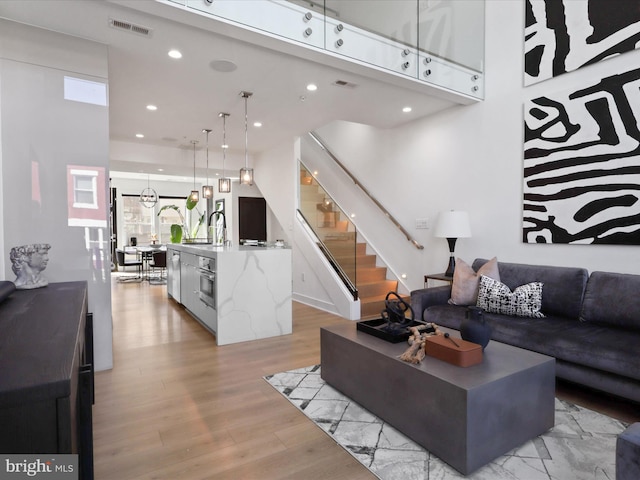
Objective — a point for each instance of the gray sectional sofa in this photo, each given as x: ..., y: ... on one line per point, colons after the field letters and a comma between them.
x: 591, y: 324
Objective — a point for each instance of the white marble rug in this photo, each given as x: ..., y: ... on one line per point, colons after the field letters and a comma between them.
x: 581, y: 446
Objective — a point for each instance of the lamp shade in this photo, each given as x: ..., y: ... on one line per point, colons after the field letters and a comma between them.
x: 224, y: 185
x: 453, y: 224
x: 246, y: 176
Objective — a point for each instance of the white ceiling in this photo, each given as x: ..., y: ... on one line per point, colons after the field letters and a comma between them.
x: 190, y: 94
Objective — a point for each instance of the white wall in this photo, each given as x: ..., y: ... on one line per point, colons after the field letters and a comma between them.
x: 151, y: 157
x: 42, y: 135
x: 275, y: 174
x: 471, y: 158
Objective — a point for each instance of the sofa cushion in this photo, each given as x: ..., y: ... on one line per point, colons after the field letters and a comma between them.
x: 563, y: 286
x: 445, y: 315
x: 589, y: 344
x: 524, y: 301
x: 613, y: 299
x: 464, y: 290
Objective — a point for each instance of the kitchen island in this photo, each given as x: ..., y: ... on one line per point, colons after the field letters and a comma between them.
x: 238, y: 293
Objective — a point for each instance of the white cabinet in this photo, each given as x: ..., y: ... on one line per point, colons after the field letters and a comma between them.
x: 209, y: 317
x: 188, y: 277
x: 173, y: 274
x: 190, y: 289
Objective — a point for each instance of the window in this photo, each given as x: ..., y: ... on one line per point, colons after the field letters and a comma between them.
x: 137, y: 221
x: 145, y: 224
x: 84, y: 189
x: 168, y: 217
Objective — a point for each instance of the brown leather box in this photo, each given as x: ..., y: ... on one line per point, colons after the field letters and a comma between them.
x: 464, y: 355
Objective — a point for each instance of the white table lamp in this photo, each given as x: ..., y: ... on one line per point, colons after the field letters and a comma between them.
x: 452, y: 225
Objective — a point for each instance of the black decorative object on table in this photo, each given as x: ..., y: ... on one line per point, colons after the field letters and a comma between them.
x: 394, y: 324
x: 474, y: 328
x: 395, y: 312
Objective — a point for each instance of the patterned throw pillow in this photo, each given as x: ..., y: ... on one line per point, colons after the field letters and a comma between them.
x: 524, y: 301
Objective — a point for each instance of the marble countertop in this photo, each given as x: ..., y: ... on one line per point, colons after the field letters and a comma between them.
x: 204, y: 248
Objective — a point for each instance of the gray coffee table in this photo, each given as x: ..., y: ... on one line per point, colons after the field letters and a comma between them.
x: 465, y: 416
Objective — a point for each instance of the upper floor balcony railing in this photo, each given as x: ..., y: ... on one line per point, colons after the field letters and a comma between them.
x: 436, y: 43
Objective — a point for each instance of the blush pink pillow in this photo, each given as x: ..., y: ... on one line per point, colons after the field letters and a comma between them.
x: 466, y: 282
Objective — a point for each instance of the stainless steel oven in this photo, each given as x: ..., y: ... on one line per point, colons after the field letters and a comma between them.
x: 207, y: 290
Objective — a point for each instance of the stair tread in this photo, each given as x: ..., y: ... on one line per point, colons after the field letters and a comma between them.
x: 375, y: 282
x: 378, y: 298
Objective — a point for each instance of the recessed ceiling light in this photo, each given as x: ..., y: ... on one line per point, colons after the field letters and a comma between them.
x: 406, y: 109
x: 139, y: 135
x: 161, y: 169
x: 257, y: 124
x: 153, y: 108
x: 175, y: 54
x: 312, y: 87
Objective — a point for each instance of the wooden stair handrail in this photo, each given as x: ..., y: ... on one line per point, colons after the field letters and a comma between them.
x: 321, y: 144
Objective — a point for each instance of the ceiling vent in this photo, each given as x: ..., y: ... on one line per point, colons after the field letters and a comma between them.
x: 344, y: 83
x: 130, y: 27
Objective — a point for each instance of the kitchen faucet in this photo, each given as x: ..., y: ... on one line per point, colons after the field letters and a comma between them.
x: 224, y: 227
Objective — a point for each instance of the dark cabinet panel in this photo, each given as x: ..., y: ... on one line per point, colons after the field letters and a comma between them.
x: 46, y: 373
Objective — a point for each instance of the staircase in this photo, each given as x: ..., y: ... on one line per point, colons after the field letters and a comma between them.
x: 371, y: 280
x: 339, y: 236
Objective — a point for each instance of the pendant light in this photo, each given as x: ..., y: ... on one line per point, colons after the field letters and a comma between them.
x: 207, y: 190
x: 195, y: 195
x: 246, y: 173
x: 224, y: 183
x: 148, y: 196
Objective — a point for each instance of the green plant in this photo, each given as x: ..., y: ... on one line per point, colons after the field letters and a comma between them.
x: 180, y: 231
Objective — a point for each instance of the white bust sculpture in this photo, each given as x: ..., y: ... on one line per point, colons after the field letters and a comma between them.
x: 28, y: 262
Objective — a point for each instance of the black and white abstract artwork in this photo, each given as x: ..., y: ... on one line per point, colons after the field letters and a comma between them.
x: 564, y: 35
x: 582, y: 164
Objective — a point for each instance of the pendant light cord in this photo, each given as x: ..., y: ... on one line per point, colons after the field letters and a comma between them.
x: 207, y: 157
x: 246, y: 134
x: 224, y: 141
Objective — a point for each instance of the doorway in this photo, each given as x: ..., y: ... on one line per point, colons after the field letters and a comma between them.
x: 252, y: 218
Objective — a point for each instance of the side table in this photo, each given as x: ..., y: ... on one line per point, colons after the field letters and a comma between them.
x: 437, y: 276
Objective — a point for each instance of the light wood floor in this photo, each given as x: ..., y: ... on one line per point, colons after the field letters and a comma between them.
x: 176, y: 406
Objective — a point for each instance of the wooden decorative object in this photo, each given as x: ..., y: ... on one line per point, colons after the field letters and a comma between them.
x: 453, y: 350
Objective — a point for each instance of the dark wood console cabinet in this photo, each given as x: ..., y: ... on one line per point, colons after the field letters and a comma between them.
x: 46, y: 373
